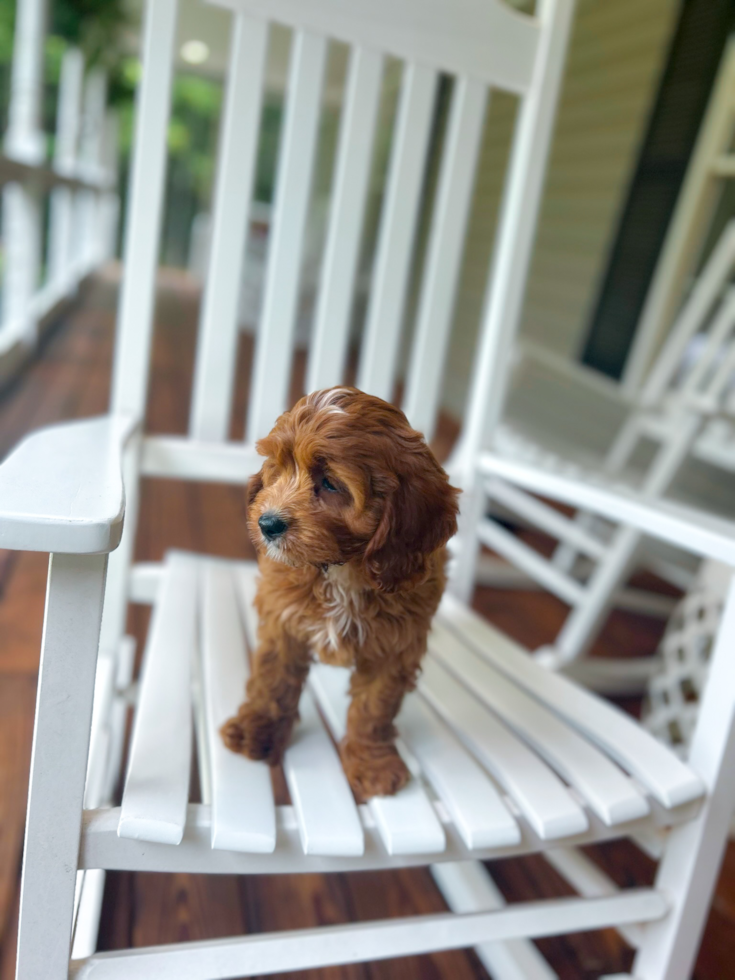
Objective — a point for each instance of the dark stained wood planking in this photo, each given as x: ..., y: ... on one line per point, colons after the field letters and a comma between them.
x: 71, y: 379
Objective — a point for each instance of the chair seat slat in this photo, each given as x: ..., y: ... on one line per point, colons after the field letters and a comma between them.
x: 329, y: 823
x: 668, y: 779
x: 216, y: 352
x: 293, y: 185
x: 444, y: 255
x: 397, y: 230
x: 243, y: 810
x: 407, y: 821
x: 476, y: 807
x: 336, y: 290
x: 610, y: 793
x: 157, y: 783
x: 539, y: 793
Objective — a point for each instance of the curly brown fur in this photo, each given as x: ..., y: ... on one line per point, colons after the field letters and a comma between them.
x: 354, y: 579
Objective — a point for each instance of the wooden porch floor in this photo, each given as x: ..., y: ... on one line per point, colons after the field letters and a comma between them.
x: 71, y: 379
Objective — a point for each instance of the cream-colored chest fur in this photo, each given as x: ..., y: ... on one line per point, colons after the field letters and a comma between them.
x: 340, y: 626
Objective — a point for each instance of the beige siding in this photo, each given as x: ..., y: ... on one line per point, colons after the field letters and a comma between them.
x: 616, y: 55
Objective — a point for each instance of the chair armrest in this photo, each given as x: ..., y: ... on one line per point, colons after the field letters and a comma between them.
x: 61, y: 489
x: 685, y: 527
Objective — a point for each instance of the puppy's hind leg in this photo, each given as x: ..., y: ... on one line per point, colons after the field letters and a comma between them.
x: 262, y: 726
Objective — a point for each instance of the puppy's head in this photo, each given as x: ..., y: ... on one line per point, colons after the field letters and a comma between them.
x: 347, y: 479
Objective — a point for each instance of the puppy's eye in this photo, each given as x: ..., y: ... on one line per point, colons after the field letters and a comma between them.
x: 326, y: 485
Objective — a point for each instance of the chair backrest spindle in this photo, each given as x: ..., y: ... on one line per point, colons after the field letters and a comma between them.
x: 217, y: 345
x: 293, y: 184
x: 381, y: 338
x: 441, y: 273
x: 135, y: 316
x: 357, y: 130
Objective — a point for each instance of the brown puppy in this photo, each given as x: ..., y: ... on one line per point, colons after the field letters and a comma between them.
x: 350, y: 514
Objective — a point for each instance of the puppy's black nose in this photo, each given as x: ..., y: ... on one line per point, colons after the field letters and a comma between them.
x: 272, y: 526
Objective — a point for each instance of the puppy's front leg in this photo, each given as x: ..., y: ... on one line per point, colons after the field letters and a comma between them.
x: 369, y: 756
x: 262, y: 726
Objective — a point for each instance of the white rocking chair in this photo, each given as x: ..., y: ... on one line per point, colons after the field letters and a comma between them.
x: 685, y: 410
x: 507, y: 758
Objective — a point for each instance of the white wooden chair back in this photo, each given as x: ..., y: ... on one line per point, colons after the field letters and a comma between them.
x: 483, y: 46
x: 697, y: 362
x: 689, y: 396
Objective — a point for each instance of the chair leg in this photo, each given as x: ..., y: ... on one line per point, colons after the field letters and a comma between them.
x: 59, y: 763
x: 688, y: 870
x: 687, y: 874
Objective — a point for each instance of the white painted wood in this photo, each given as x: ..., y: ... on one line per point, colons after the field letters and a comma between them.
x: 691, y: 862
x: 21, y: 230
x: 336, y: 289
x: 444, y: 255
x: 490, y: 41
x: 542, y: 515
x: 539, y: 793
x: 214, y: 372
x: 688, y: 226
x: 608, y: 791
x: 406, y: 821
x: 88, y: 915
x: 468, y: 887
x: 142, y: 233
x: 706, y: 289
x: 189, y: 459
x: 119, y: 713
x: 87, y: 204
x: 652, y: 763
x: 114, y: 614
x: 588, y: 880
x: 523, y: 556
x: 246, y: 584
x: 381, y: 335
x: 24, y: 139
x: 243, y: 812
x: 145, y: 581
x: 99, y: 738
x: 59, y: 763
x: 157, y: 782
x: 517, y: 226
x: 61, y: 488
x: 60, y: 247
x: 322, y: 798
x: 102, y: 847
x: 686, y: 527
x: 476, y: 807
x: 330, y: 945
x: 293, y: 186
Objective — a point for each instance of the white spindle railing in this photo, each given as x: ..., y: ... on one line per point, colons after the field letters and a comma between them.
x: 80, y: 181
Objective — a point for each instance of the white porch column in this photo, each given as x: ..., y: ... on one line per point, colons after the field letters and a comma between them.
x: 24, y: 141
x: 68, y: 120
x: 90, y: 167
x: 109, y: 213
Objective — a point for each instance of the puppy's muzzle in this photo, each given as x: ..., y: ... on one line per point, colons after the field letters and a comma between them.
x: 272, y: 526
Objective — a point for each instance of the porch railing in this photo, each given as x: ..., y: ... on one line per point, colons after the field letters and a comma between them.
x: 58, y: 217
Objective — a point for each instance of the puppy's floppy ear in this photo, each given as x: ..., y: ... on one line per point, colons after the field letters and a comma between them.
x: 419, y: 516
x: 254, y: 486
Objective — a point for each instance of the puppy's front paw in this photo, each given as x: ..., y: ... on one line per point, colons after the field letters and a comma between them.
x: 255, y: 734
x: 373, y: 768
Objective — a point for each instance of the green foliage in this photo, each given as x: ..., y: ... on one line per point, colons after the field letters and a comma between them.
x: 93, y: 25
